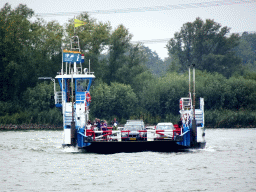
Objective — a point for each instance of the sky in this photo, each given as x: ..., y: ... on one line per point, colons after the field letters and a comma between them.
x: 149, y: 21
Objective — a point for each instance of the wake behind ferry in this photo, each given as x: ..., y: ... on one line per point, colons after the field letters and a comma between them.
x: 74, y: 100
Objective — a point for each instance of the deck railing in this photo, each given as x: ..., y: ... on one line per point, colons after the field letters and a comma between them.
x: 58, y: 97
x: 110, y: 135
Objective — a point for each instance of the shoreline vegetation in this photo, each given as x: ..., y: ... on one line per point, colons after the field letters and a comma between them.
x: 12, y: 127
x: 132, y: 82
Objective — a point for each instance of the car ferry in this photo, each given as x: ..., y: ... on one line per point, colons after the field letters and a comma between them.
x: 74, y: 100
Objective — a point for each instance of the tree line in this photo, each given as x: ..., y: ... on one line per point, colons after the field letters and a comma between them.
x: 132, y: 82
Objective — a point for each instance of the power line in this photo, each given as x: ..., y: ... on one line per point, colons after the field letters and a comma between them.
x: 165, y: 40
x: 153, y: 8
x: 149, y: 41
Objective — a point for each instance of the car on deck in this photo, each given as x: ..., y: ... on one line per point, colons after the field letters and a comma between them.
x: 165, y: 126
x: 164, y: 130
x: 134, y: 126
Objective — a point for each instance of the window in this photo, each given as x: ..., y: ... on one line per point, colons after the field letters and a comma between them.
x: 81, y: 85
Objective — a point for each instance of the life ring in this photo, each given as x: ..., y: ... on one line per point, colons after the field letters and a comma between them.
x: 180, y: 104
x: 88, y: 97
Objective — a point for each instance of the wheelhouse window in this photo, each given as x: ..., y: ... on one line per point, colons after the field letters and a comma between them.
x: 81, y: 85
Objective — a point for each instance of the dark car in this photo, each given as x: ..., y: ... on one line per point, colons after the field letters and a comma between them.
x: 134, y: 126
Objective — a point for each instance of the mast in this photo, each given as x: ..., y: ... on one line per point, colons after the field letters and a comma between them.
x: 189, y: 87
x: 73, y: 124
x: 62, y: 91
x: 194, y: 128
x: 189, y: 91
x: 194, y: 91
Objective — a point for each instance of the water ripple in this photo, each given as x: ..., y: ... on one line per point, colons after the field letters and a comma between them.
x: 36, y: 161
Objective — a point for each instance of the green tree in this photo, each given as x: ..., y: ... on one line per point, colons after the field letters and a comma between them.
x: 156, y: 65
x: 94, y: 39
x: 27, y: 50
x: 14, y: 42
x: 133, y: 65
x: 39, y: 106
x: 115, y: 99
x: 215, y: 90
x: 206, y: 44
x: 235, y: 93
x: 160, y: 97
x: 243, y: 94
x: 119, y: 45
x: 39, y: 97
x: 113, y: 58
x: 246, y: 50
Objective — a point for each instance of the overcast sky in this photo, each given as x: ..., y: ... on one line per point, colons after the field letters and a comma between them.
x: 153, y: 22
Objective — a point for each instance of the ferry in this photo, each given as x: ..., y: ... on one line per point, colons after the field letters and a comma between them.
x: 73, y: 98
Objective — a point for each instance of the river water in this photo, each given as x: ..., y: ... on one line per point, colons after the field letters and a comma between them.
x: 36, y: 161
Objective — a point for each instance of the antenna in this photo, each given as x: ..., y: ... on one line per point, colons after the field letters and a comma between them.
x: 72, y: 96
x: 89, y: 66
x: 189, y: 82
x: 189, y: 79
x: 74, y: 26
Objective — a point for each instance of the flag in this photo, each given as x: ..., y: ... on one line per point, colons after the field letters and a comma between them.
x: 78, y: 23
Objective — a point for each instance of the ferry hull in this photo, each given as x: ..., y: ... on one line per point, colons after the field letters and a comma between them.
x: 137, y: 146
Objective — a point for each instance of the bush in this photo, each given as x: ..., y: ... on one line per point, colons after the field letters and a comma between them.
x: 230, y: 119
x: 117, y: 100
x: 16, y: 118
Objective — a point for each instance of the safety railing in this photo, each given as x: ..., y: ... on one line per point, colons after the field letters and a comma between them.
x: 164, y: 134
x: 124, y: 135
x: 58, y: 97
